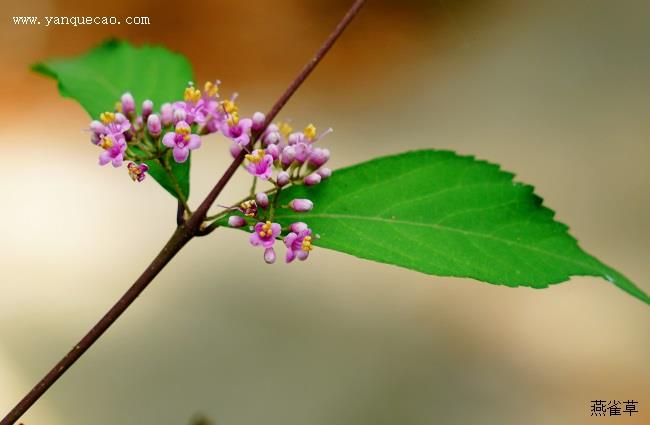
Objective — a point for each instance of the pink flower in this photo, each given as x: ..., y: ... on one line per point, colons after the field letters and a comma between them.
x: 237, y: 129
x: 109, y: 124
x: 114, y: 148
x: 260, y: 164
x: 182, y: 141
x: 298, y: 242
x: 137, y: 172
x: 264, y: 234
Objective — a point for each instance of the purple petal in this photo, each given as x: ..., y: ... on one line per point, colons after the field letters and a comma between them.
x: 168, y: 139
x: 181, y: 154
x: 104, y: 158
x: 275, y: 229
x: 255, y: 239
x: 269, y: 255
x: 268, y: 243
x: 245, y: 124
x: 195, y: 141
x: 290, y: 255
x: 289, y: 239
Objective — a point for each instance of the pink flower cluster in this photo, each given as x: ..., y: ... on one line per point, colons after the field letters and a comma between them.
x: 284, y: 157
x: 277, y: 155
x: 170, y: 133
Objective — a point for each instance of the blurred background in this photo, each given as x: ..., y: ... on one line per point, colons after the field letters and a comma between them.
x: 556, y: 91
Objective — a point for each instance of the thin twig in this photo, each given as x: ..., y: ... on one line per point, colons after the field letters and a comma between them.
x: 183, y: 234
x: 180, y: 213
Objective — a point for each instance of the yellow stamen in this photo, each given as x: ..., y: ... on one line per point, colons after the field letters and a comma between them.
x: 256, y: 156
x: 106, y: 143
x: 192, y: 94
x: 229, y: 106
x: 185, y: 131
x: 306, y: 244
x: 211, y: 89
x: 118, y: 106
x: 107, y: 117
x: 310, y: 131
x: 234, y: 119
x: 285, y: 128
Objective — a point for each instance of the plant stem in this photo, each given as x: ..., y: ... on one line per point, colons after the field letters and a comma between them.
x: 253, y: 186
x: 183, y: 234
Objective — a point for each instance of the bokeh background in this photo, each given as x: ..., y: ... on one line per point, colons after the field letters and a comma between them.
x: 556, y: 91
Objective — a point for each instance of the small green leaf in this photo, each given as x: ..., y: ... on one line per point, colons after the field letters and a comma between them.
x: 98, y: 79
x: 448, y: 215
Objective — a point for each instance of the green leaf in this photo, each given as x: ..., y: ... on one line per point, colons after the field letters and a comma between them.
x: 98, y: 79
x: 448, y: 215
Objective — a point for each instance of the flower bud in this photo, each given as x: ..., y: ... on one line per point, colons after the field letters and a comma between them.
x: 96, y: 127
x: 274, y: 151
x: 303, y: 151
x: 258, y: 121
x: 283, y: 178
x: 324, y: 173
x: 312, y: 179
x: 147, y: 109
x: 236, y: 221
x: 288, y: 155
x: 271, y: 135
x: 153, y: 125
x: 301, y: 205
x: 295, y: 138
x: 128, y: 103
x: 262, y: 199
x: 318, y: 157
x: 269, y: 255
x: 166, y: 114
x: 179, y: 115
x: 298, y: 227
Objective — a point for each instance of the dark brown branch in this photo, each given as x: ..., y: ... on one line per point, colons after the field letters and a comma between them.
x: 180, y: 213
x: 185, y: 231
